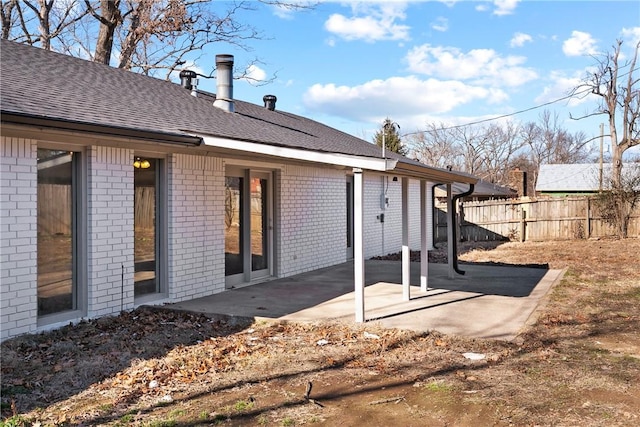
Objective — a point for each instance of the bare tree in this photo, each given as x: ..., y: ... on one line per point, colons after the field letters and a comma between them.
x: 617, y: 86
x: 459, y: 148
x: 146, y: 36
x: 7, y: 17
x: 616, y: 205
x: 110, y: 18
x: 485, y: 151
x: 548, y: 142
x: 501, y: 146
x: 39, y: 22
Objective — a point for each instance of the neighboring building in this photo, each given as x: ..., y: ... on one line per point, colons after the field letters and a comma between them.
x: 119, y: 190
x: 483, y: 190
x: 560, y: 180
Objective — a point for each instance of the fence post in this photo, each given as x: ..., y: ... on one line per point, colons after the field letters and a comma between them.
x: 588, y: 218
x: 523, y: 224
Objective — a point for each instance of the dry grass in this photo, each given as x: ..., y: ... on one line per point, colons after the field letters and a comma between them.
x: 579, y: 364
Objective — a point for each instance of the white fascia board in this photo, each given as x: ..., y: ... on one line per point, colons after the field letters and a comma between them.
x: 346, y: 160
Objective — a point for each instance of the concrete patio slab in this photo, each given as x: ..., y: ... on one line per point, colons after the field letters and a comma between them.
x: 487, y: 302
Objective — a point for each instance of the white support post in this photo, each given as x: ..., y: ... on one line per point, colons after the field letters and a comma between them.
x: 451, y: 232
x: 406, y: 254
x: 358, y: 243
x: 424, y: 242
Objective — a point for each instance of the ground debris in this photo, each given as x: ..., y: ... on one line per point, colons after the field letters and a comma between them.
x: 307, y: 395
x: 395, y: 399
x: 117, y: 370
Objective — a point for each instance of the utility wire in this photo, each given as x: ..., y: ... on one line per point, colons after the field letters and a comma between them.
x: 504, y: 115
x: 571, y: 95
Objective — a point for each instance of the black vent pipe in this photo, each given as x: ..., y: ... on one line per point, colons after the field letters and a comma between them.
x: 452, y: 214
x: 269, y: 102
x: 186, y: 78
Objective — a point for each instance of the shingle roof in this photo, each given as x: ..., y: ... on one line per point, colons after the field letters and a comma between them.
x: 580, y: 177
x: 481, y: 189
x: 48, y: 85
x: 569, y: 177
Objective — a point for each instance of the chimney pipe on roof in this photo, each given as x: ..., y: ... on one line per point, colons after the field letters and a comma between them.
x: 186, y: 78
x: 270, y: 102
x: 224, y: 95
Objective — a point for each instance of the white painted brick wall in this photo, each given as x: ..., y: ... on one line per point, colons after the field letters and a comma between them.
x: 19, y: 236
x: 110, y: 233
x: 382, y: 238
x: 386, y: 238
x: 311, y: 225
x: 196, y: 226
x: 312, y: 219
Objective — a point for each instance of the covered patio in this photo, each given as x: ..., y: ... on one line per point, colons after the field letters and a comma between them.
x: 493, y: 302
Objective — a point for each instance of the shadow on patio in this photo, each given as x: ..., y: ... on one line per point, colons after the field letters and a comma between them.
x: 487, y: 302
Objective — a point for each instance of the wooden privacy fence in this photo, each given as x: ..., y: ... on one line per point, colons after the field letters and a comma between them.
x: 530, y: 219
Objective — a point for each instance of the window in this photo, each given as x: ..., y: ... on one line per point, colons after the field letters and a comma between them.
x: 149, y: 224
x: 59, y: 231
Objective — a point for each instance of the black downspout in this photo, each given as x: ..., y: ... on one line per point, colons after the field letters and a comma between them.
x: 452, y: 214
x: 434, y: 213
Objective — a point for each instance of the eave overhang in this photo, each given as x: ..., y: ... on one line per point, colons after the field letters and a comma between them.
x: 96, y: 129
x: 391, y: 166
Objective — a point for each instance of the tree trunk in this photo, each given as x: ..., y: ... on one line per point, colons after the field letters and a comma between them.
x: 130, y: 42
x: 109, y: 21
x: 45, y: 27
x: 6, y: 12
x: 616, y: 158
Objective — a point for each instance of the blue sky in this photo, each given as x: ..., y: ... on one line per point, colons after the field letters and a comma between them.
x: 352, y: 64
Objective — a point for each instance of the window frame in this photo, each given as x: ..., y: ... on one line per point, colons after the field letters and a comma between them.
x: 161, y: 232
x: 79, y: 233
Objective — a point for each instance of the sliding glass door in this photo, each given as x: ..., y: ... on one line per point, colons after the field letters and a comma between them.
x: 247, y: 226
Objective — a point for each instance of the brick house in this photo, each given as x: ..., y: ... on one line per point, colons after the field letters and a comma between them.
x: 119, y: 190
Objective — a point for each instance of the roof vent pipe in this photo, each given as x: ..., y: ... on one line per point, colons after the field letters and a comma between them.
x: 270, y: 102
x: 224, y: 95
x: 186, y: 78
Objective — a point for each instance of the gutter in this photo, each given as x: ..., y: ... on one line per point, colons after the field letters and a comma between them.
x: 433, y: 174
x: 67, y: 125
x: 452, y: 214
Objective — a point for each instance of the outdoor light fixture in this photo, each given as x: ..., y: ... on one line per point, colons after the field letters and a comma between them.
x: 141, y: 164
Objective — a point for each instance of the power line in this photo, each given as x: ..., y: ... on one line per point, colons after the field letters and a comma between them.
x: 588, y: 89
x: 505, y: 115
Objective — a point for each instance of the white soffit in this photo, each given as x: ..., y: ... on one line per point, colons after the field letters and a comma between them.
x: 346, y: 160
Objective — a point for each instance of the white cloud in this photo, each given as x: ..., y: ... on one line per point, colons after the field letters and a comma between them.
x: 519, y: 39
x: 288, y: 10
x: 481, y: 66
x: 255, y: 74
x: 631, y: 35
x: 440, y: 24
x: 580, y: 43
x: 370, y: 22
x: 502, y: 7
x: 403, y: 95
x: 562, y: 85
x: 505, y: 7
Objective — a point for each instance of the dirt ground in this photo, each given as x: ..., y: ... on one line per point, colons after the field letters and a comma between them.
x: 577, y: 364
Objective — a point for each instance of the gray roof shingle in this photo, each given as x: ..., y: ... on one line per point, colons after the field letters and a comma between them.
x: 579, y: 177
x: 48, y: 85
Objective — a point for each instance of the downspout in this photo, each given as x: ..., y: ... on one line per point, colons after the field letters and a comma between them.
x: 452, y: 214
x: 434, y: 213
